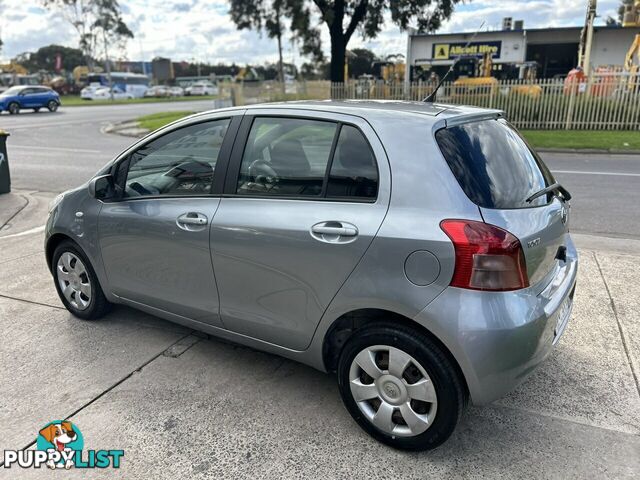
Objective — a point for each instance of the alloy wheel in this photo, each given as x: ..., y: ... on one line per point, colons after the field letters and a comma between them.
x: 74, y: 280
x: 393, y: 391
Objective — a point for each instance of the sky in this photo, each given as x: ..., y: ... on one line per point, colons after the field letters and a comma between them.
x: 202, y: 30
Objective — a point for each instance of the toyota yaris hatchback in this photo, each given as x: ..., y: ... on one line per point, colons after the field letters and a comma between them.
x: 419, y: 251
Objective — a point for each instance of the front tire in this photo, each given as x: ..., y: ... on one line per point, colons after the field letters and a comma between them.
x: 400, y: 386
x: 52, y: 106
x: 13, y: 108
x: 77, y: 284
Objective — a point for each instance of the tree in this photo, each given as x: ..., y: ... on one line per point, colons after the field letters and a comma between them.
x: 1, y: 13
x: 45, y: 58
x: 94, y: 21
x: 267, y: 15
x: 621, y: 9
x: 361, y: 62
x: 344, y: 17
x: 262, y: 16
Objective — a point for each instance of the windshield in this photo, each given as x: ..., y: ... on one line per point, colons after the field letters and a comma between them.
x: 494, y: 165
x: 12, y: 91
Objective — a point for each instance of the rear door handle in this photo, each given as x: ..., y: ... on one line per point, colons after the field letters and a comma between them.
x: 334, y: 232
x: 342, y: 231
x: 192, y: 220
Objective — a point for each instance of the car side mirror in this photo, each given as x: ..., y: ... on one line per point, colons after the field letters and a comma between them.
x: 102, y: 187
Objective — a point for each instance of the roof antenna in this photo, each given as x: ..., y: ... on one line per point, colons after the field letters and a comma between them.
x: 432, y: 96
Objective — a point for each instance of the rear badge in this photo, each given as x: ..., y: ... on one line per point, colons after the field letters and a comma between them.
x: 533, y: 243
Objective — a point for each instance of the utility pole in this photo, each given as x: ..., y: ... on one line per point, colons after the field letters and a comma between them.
x: 107, y: 63
x: 280, y: 64
x: 586, y: 38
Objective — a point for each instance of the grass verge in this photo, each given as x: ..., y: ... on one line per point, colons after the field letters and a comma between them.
x: 75, y: 100
x: 157, y: 120
x: 584, y: 139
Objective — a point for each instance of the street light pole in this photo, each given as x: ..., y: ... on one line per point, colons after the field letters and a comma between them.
x: 108, y: 65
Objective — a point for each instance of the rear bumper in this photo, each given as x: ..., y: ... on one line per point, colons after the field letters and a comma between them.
x: 499, y: 338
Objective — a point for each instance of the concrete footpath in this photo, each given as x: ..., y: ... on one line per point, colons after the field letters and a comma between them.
x: 182, y: 405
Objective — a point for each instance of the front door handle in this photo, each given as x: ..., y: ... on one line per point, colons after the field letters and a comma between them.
x: 192, y: 221
x: 334, y: 232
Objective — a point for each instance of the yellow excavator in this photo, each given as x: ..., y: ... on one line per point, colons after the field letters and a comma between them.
x: 632, y: 59
x: 474, y: 75
x: 14, y: 68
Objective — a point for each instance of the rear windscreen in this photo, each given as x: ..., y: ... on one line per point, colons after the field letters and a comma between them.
x: 494, y: 165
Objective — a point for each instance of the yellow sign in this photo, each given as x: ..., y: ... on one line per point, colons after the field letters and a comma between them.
x: 449, y: 51
x: 441, y: 51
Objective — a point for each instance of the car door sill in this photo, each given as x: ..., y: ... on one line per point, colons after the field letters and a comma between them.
x: 216, y: 331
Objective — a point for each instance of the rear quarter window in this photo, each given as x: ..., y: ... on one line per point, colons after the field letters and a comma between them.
x: 494, y: 165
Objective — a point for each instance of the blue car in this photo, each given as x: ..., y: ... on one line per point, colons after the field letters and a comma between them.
x: 29, y: 97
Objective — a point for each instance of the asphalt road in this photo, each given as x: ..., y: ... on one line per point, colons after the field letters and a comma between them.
x: 55, y: 152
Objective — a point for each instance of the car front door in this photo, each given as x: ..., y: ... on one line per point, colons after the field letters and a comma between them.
x: 28, y: 97
x: 154, y: 238
x: 304, y: 198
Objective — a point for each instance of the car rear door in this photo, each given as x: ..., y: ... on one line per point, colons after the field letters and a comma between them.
x: 154, y: 237
x: 305, y: 195
x: 42, y: 97
x: 499, y: 172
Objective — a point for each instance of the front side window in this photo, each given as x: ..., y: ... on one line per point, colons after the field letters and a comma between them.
x: 181, y: 162
x: 286, y: 157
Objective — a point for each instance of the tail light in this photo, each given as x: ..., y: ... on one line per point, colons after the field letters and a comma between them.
x: 487, y: 257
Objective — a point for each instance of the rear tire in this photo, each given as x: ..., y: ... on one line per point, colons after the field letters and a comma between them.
x: 13, y: 108
x: 76, y: 282
x: 415, y: 409
x: 52, y: 106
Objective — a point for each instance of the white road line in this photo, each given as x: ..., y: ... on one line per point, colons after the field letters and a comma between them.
x: 58, y: 149
x: 613, y: 174
x: 26, y: 126
x: 26, y: 232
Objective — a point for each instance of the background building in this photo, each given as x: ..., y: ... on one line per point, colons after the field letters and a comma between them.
x: 555, y: 50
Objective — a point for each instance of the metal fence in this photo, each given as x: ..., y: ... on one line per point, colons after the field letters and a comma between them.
x: 607, y: 101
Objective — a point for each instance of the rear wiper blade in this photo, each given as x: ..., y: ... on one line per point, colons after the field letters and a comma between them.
x: 556, y: 187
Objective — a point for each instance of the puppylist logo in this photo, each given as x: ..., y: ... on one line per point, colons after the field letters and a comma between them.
x: 60, y: 445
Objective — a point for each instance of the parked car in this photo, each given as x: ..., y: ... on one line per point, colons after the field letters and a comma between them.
x: 203, y: 88
x: 421, y: 252
x: 104, y: 94
x: 96, y: 92
x: 87, y: 92
x: 157, y: 91
x: 33, y: 98
x: 176, y: 91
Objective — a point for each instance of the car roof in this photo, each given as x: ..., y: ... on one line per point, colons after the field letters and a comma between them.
x: 379, y: 109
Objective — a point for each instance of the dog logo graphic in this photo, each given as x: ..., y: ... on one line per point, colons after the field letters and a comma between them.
x: 62, y: 437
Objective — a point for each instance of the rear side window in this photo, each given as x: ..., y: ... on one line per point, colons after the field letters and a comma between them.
x: 494, y: 165
x: 286, y: 157
x: 353, y: 171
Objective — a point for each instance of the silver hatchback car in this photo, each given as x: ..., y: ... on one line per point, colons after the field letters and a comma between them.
x: 420, y: 251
